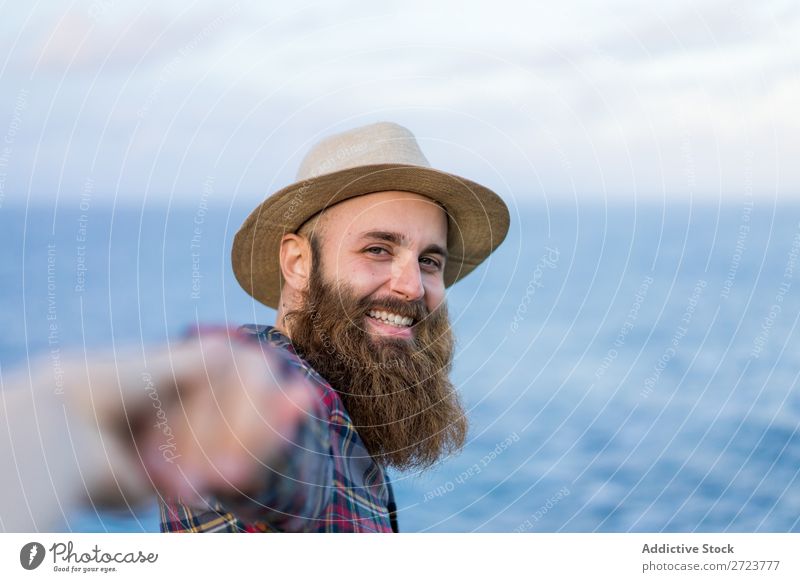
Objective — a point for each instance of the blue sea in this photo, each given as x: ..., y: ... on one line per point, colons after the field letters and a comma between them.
x: 626, y: 366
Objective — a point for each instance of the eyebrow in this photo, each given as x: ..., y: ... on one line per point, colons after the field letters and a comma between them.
x: 398, y: 239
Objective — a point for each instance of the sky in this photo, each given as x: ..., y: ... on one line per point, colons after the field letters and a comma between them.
x: 146, y: 102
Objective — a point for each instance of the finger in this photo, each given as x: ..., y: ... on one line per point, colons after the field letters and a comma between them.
x: 259, y: 440
x: 225, y: 431
x: 260, y: 418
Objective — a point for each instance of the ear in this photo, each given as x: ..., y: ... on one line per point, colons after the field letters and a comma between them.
x: 295, y: 259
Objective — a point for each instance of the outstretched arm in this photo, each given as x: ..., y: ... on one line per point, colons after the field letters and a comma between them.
x: 194, y: 420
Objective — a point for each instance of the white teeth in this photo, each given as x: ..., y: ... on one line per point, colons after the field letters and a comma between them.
x: 391, y: 318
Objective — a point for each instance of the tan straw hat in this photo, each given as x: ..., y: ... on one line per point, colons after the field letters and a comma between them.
x: 374, y: 158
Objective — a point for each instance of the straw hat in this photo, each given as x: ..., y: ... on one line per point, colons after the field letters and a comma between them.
x: 374, y: 158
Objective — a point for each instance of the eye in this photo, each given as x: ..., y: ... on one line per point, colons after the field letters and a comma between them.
x: 430, y: 262
x: 375, y: 250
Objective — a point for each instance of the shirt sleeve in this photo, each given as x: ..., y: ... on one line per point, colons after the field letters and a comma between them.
x: 295, y: 485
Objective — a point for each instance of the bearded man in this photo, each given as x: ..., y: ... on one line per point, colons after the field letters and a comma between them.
x: 291, y: 427
x: 365, y: 243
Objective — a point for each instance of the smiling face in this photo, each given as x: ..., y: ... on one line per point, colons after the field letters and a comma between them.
x: 390, y: 247
x: 368, y: 313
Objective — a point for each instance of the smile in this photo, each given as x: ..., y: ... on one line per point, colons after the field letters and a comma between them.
x: 390, y: 318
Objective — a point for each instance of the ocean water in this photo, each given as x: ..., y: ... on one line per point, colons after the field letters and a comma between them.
x: 626, y: 367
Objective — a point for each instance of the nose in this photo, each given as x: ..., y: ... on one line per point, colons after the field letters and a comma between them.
x: 407, y: 278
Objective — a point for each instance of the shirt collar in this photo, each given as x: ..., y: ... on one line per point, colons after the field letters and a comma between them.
x: 270, y: 334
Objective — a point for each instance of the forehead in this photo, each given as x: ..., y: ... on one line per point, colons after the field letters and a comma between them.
x: 417, y: 217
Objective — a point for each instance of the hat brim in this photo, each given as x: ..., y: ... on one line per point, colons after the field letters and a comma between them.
x: 478, y: 219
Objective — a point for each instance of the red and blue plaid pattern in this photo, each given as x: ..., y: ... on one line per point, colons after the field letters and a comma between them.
x: 326, y: 481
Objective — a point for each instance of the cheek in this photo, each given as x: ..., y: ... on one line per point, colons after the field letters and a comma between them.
x: 365, y: 277
x: 434, y: 294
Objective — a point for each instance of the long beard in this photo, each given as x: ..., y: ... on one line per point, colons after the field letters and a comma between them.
x: 397, y: 391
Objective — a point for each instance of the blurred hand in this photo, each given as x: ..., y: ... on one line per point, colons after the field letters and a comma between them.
x: 190, y: 419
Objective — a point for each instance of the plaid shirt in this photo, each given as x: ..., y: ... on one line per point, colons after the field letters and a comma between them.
x: 325, y: 481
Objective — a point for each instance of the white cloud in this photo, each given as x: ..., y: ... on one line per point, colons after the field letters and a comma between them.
x: 595, y: 95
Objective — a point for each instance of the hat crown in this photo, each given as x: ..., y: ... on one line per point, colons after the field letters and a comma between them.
x: 377, y: 143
